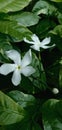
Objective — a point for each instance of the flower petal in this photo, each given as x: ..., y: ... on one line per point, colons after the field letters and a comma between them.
x: 25, y: 40
x: 14, y: 55
x: 16, y: 78
x: 45, y: 41
x: 26, y: 59
x: 35, y: 47
x: 27, y: 71
x: 46, y: 47
x: 35, y: 38
x: 7, y: 68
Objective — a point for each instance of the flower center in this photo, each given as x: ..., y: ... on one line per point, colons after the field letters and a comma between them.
x: 18, y: 67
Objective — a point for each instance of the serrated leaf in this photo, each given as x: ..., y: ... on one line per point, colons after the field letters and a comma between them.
x: 10, y: 111
x: 13, y: 5
x: 52, y: 115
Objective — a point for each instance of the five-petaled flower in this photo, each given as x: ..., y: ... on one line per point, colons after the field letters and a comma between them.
x: 18, y: 67
x: 36, y: 44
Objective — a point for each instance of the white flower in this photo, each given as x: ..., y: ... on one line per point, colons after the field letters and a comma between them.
x: 55, y: 90
x: 37, y: 44
x: 18, y: 67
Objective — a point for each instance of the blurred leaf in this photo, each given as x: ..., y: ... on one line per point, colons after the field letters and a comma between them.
x: 4, y: 46
x: 10, y: 111
x: 28, y: 102
x: 60, y: 74
x: 44, y: 26
x: 26, y: 85
x: 57, y: 0
x: 24, y: 125
x: 57, y: 30
x: 36, y: 127
x: 22, y: 99
x: 12, y: 5
x: 4, y: 43
x: 16, y: 31
x: 38, y: 78
x: 59, y: 18
x: 52, y: 115
x: 25, y: 18
x: 44, y: 7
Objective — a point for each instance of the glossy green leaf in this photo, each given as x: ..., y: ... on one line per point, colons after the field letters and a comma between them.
x: 13, y: 5
x: 16, y: 31
x: 52, y: 115
x: 25, y: 18
x: 22, y: 99
x: 43, y: 7
x: 10, y: 111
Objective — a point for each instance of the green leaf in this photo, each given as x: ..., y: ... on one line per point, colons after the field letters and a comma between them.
x: 52, y: 115
x: 10, y: 111
x: 59, y: 17
x: 57, y: 0
x: 60, y: 74
x: 24, y: 125
x: 38, y: 78
x: 43, y: 27
x: 4, y: 43
x: 36, y: 127
x: 43, y: 7
x: 13, y: 5
x: 22, y: 99
x: 28, y: 102
x: 16, y: 31
x: 25, y: 18
x: 4, y: 46
x: 57, y: 30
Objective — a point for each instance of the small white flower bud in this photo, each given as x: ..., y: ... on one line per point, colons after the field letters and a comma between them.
x: 55, y: 90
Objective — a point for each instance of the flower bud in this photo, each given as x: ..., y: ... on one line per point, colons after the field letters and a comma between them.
x: 55, y: 90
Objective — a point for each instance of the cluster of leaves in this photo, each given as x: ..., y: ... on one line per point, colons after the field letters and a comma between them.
x: 32, y: 105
